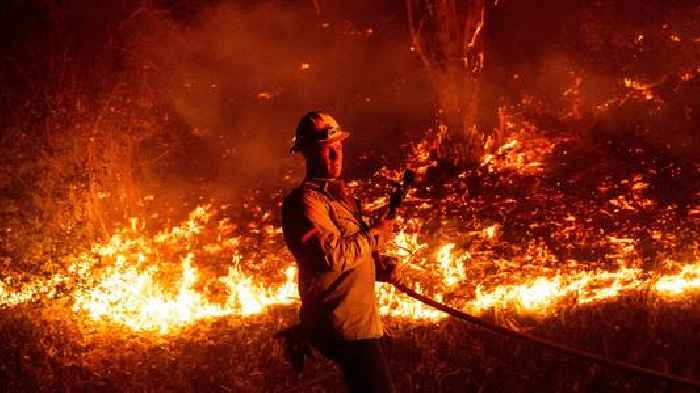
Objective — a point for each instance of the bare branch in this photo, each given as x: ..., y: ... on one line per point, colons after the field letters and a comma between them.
x: 479, y: 25
x: 140, y: 9
x: 473, y: 29
x: 415, y: 35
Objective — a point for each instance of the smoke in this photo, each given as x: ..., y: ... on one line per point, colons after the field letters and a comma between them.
x: 229, y: 80
x: 236, y: 78
x: 598, y: 56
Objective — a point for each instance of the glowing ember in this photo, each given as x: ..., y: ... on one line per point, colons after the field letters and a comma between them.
x: 644, y: 90
x: 395, y: 304
x: 452, y: 269
x: 135, y: 299
x: 203, y: 268
x: 133, y: 291
x: 686, y: 281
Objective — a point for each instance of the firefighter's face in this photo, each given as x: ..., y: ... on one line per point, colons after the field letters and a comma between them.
x: 327, y: 159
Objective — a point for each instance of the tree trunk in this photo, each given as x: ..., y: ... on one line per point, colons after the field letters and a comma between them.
x: 453, y: 52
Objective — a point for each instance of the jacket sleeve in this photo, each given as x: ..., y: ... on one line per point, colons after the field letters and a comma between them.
x: 322, y: 240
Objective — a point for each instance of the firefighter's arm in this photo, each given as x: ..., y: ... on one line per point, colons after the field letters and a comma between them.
x: 323, y: 241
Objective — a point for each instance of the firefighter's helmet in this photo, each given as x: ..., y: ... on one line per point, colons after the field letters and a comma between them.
x: 317, y: 128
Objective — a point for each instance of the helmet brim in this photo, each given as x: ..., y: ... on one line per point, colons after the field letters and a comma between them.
x: 297, y: 145
x: 338, y: 136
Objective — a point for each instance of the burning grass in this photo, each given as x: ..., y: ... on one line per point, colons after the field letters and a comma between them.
x: 588, y: 236
x: 608, y: 263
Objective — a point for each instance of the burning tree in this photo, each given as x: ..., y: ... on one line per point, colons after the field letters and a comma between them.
x: 450, y: 38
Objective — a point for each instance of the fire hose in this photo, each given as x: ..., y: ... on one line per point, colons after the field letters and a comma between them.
x: 296, y: 353
x: 397, y: 195
x: 552, y: 345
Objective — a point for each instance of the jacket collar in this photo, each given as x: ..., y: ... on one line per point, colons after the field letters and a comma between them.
x: 320, y: 183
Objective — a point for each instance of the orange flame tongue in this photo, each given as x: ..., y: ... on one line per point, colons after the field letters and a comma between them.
x: 130, y: 292
x: 136, y: 300
x: 142, y: 289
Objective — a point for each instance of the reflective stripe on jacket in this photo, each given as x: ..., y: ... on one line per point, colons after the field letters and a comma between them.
x: 333, y: 249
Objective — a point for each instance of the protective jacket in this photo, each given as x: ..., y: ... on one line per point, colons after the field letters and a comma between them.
x: 333, y: 248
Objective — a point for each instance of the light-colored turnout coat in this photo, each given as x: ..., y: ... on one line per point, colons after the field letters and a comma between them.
x: 333, y: 249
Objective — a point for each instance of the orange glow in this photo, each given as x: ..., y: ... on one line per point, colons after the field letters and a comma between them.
x: 199, y: 270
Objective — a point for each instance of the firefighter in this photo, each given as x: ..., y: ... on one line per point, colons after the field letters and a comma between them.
x: 333, y: 247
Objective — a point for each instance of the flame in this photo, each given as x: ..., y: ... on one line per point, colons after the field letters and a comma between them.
x: 135, y: 299
x: 539, y: 294
x: 677, y: 285
x: 129, y: 293
x: 524, y: 156
x: 452, y: 269
x: 642, y: 90
x: 395, y: 304
x: 135, y: 292
x: 206, y: 267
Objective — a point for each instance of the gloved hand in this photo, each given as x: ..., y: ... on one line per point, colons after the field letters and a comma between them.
x: 383, y: 230
x: 297, y: 346
x: 387, y: 269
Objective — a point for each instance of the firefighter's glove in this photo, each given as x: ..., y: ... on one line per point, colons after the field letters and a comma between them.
x: 383, y: 231
x: 387, y: 269
x: 296, y: 346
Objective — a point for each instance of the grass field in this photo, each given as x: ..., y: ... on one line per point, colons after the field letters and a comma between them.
x: 44, y: 350
x: 529, y: 251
